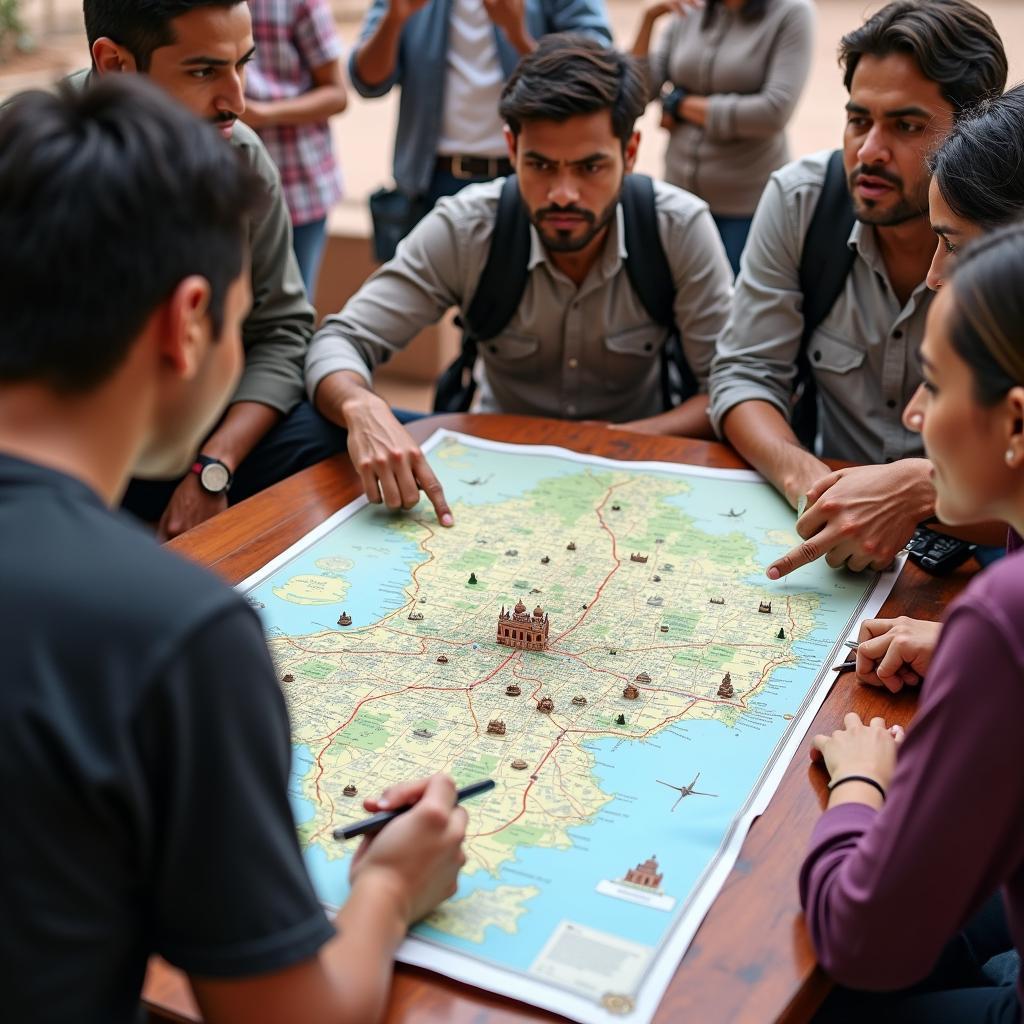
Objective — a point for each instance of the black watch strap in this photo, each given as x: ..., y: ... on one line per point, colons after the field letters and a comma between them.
x: 214, y: 476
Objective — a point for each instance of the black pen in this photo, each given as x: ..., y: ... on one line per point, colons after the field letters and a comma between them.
x: 370, y: 825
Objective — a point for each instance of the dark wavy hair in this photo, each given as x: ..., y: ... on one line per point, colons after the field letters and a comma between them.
x: 987, y: 328
x: 569, y: 75
x: 140, y: 26
x: 953, y: 42
x: 979, y: 169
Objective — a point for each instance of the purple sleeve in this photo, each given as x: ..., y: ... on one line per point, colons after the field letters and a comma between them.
x: 315, y: 35
x: 884, y: 891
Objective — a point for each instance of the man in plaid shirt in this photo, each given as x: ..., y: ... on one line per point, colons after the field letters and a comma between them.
x: 293, y: 86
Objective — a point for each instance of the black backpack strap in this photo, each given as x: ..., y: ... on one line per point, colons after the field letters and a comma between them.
x: 495, y: 301
x: 650, y: 275
x: 825, y: 264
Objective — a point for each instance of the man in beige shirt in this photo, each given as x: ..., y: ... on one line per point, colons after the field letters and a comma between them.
x: 581, y: 344
x: 909, y: 70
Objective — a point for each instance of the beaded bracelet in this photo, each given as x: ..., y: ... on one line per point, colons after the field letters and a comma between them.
x: 857, y: 778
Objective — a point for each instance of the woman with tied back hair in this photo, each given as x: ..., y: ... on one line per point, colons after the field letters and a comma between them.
x: 920, y: 832
x: 977, y: 178
x: 734, y: 73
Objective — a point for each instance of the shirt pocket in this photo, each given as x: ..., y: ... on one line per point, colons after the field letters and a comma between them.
x: 628, y: 355
x: 515, y: 355
x: 829, y: 353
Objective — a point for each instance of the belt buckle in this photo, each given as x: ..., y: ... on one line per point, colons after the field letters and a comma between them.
x: 458, y: 170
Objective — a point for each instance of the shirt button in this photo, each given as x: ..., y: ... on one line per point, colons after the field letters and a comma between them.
x: 571, y: 410
x: 897, y: 334
x: 817, y: 355
x: 889, y: 460
x: 493, y: 348
x: 891, y: 404
x: 573, y: 363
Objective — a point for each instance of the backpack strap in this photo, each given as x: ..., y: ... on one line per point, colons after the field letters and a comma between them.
x: 825, y: 264
x: 503, y: 282
x: 495, y: 301
x: 650, y: 274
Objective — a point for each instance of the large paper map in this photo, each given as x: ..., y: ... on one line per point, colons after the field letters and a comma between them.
x: 677, y: 681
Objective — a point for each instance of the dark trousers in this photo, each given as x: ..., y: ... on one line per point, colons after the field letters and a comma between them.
x: 444, y: 183
x: 301, y: 439
x: 974, y: 982
x: 734, y: 232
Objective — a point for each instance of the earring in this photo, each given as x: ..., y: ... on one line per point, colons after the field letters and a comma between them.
x: 1010, y: 456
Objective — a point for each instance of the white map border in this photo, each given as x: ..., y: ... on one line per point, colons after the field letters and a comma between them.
x: 523, y: 987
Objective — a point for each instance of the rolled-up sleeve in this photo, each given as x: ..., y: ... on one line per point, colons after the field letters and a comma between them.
x: 763, y: 114
x: 884, y: 891
x: 656, y: 63
x: 372, y: 20
x: 703, y: 282
x: 755, y: 358
x: 411, y: 292
x: 277, y: 330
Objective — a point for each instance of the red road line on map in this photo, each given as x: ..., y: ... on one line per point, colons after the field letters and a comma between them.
x: 612, y: 572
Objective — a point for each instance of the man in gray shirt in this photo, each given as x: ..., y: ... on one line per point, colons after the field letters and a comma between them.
x: 910, y: 69
x: 197, y: 51
x: 581, y: 344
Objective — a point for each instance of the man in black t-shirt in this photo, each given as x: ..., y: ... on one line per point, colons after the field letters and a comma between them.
x: 144, y: 745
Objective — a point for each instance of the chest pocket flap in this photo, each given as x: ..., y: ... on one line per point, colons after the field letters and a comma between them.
x: 642, y: 341
x: 829, y: 352
x: 510, y: 347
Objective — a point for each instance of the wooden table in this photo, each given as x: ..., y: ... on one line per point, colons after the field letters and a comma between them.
x: 751, y: 960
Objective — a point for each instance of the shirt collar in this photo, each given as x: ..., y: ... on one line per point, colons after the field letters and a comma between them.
x: 864, y: 242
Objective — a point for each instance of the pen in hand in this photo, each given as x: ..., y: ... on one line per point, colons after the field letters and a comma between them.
x: 372, y: 825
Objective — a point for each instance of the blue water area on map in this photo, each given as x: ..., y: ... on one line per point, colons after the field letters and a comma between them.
x: 683, y: 840
x: 382, y: 558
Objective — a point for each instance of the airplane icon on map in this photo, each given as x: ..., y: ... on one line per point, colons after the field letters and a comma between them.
x: 684, y: 791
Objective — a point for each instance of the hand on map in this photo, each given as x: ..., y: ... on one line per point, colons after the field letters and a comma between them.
x: 859, y: 749
x: 389, y: 462
x: 861, y: 517
x: 896, y: 652
x: 189, y: 506
x: 416, y: 858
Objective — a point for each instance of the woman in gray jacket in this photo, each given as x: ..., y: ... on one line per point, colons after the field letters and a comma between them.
x: 730, y: 76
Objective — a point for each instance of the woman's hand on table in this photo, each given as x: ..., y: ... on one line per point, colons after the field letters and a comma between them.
x: 896, y: 652
x: 859, y: 749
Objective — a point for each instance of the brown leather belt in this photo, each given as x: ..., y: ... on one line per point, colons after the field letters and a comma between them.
x: 469, y: 167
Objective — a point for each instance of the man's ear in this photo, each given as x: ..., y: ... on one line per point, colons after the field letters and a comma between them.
x: 629, y: 154
x: 512, y: 141
x: 185, y: 332
x: 109, y: 57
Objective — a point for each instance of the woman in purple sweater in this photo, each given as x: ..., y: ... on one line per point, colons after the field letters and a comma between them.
x: 912, y: 846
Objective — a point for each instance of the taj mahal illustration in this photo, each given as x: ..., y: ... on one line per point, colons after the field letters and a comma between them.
x: 517, y: 628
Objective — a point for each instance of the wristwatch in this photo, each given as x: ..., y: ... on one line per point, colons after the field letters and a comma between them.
x: 671, y: 102
x: 214, y: 475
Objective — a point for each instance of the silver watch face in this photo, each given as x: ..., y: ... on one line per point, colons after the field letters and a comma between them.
x: 215, y: 477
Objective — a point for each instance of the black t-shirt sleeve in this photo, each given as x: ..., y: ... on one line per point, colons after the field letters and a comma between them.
x: 231, y: 893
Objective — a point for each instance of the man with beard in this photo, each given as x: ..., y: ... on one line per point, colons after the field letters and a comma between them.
x: 197, y: 51
x: 910, y: 70
x: 581, y: 344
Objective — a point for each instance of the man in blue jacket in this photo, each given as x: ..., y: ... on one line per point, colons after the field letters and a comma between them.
x: 452, y: 58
